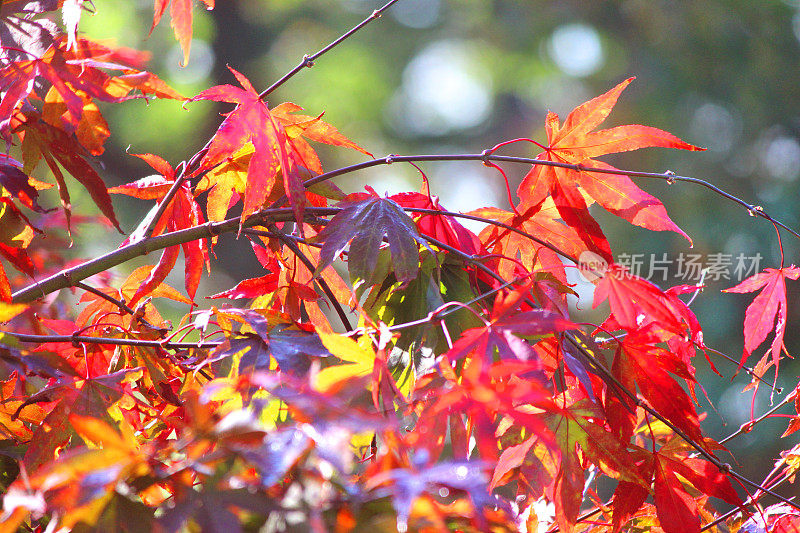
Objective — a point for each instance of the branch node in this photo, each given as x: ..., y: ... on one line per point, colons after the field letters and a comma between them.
x: 485, y: 157
x: 307, y: 61
x: 670, y: 175
x: 390, y: 159
x: 753, y: 210
x: 376, y: 14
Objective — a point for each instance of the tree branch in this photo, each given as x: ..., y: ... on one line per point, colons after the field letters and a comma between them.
x: 308, y: 60
x: 68, y: 277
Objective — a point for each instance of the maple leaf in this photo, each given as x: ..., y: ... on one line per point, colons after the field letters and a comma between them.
x: 78, y: 477
x: 86, y: 397
x: 760, y: 316
x: 574, y: 142
x: 504, y: 328
x: 363, y: 222
x: 358, y: 356
x: 628, y: 498
x: 292, y: 350
x: 76, y: 78
x: 251, y: 287
x: 21, y: 261
x: 56, y: 147
x: 14, y: 424
x: 15, y: 181
x: 254, y: 146
x: 650, y: 367
x: 181, y: 14
x: 22, y: 31
x: 298, y: 126
x: 636, y: 302
x: 65, y: 74
x: 540, y: 222
x: 182, y: 212
x: 677, y: 510
x: 252, y: 122
x: 444, y: 228
x: 486, y: 393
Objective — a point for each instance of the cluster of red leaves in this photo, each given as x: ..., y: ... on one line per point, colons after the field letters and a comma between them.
x: 445, y: 409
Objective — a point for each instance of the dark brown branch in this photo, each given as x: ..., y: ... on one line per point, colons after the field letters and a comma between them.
x: 68, y: 277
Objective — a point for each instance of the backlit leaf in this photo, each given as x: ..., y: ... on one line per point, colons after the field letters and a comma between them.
x: 363, y: 223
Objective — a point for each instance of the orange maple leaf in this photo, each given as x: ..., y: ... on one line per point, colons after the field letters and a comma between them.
x: 574, y: 142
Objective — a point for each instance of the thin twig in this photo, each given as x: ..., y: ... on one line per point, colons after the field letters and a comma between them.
x: 186, y: 167
x: 669, y: 177
x: 120, y: 304
x: 318, y: 280
x: 279, y: 235
x: 308, y: 60
x: 610, y: 379
x: 40, y: 339
x: 748, y: 426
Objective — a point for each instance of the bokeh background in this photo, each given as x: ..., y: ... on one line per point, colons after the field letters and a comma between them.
x: 452, y: 76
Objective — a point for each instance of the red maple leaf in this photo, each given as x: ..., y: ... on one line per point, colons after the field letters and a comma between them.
x: 574, y: 142
x: 229, y: 181
x: 181, y: 13
x: 252, y: 122
x: 503, y: 330
x: 759, y: 319
x: 677, y: 509
x: 182, y: 212
x: 636, y: 302
x: 75, y: 76
x: 537, y: 221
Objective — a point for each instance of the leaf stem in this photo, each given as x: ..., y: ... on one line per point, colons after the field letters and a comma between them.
x: 748, y: 426
x: 119, y: 303
x: 669, y: 177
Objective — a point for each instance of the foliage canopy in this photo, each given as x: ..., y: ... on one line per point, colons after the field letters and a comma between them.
x: 391, y: 369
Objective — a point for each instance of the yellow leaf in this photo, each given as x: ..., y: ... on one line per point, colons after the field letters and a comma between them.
x: 9, y: 311
x: 358, y: 356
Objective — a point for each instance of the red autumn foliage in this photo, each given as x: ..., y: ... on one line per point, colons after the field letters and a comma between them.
x: 466, y: 395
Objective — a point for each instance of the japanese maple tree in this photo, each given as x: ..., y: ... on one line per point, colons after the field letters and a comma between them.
x: 389, y: 369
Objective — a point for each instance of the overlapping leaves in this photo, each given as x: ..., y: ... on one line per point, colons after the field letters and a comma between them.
x: 574, y: 142
x: 363, y: 223
x: 210, y: 438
